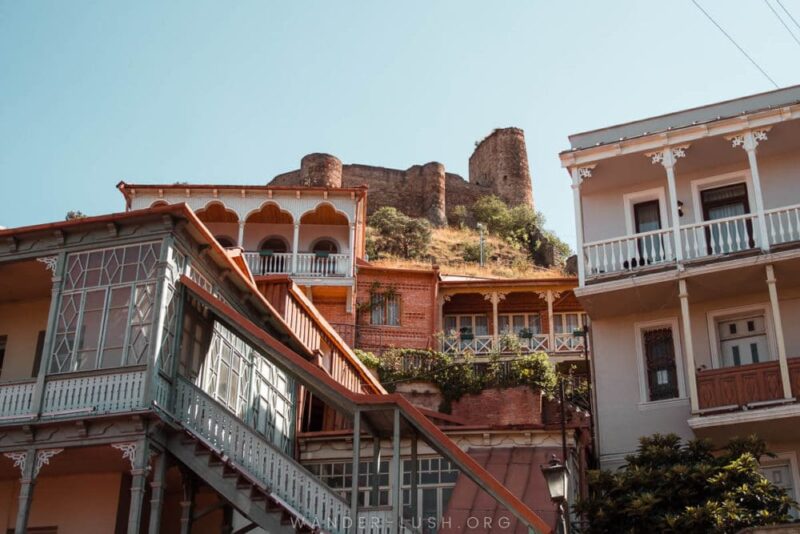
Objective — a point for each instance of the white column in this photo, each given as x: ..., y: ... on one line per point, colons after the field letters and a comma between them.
x: 397, y: 476
x: 495, y: 298
x: 352, y: 249
x: 776, y: 318
x: 688, y: 349
x: 749, y: 142
x: 551, y: 321
x: 578, y: 174
x: 668, y: 157
x: 295, y: 245
x: 240, y: 237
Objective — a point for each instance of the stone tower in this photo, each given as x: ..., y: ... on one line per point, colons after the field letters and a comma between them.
x: 321, y: 170
x: 500, y: 163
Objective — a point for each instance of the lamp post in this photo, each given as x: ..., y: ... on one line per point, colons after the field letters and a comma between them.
x: 556, y: 474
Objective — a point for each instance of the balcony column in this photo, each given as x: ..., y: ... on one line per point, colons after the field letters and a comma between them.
x: 495, y: 297
x: 24, y: 460
x: 187, y: 503
x: 138, y: 454
x: 691, y: 370
x: 776, y: 318
x: 351, y: 267
x: 578, y: 174
x: 355, y: 474
x: 396, y: 476
x: 240, y: 236
x: 550, y: 297
x: 57, y: 266
x: 157, y: 493
x: 668, y: 157
x: 749, y: 142
x: 295, y: 245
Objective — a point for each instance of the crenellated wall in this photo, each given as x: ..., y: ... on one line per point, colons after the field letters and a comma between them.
x: 499, y: 166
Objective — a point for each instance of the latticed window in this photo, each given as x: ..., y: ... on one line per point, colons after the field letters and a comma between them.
x: 105, y: 318
x: 385, y: 309
x: 229, y: 365
x: 662, y: 375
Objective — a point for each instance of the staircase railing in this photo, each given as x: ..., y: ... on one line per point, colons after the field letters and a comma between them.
x: 283, y: 476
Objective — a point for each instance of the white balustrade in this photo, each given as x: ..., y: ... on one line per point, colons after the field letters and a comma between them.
x: 783, y: 224
x: 15, y: 400
x: 719, y: 236
x: 629, y: 252
x: 310, y: 264
x: 286, y: 479
x: 276, y: 263
x: 568, y: 342
x: 536, y: 343
x: 97, y: 393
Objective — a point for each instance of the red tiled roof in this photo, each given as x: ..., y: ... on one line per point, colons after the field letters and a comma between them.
x: 518, y: 469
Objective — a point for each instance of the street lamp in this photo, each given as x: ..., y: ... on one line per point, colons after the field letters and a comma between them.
x: 556, y: 474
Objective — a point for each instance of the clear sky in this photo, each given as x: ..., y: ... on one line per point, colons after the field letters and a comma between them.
x: 93, y: 92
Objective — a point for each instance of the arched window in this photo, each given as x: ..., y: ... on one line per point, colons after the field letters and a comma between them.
x: 325, y: 246
x: 273, y: 245
x: 225, y: 241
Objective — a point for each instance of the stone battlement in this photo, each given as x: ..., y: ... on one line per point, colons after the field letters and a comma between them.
x: 498, y: 166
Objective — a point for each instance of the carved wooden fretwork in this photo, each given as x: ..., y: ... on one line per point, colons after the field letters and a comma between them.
x: 43, y: 458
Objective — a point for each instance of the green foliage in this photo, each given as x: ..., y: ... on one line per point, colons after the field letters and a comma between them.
x: 367, y: 358
x: 396, y: 234
x: 668, y: 486
x: 460, y: 216
x: 388, y: 291
x: 74, y: 214
x: 472, y: 252
x: 520, y: 226
x: 455, y: 374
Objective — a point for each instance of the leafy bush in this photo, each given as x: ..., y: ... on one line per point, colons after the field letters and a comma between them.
x: 667, y: 486
x: 367, y: 358
x: 396, y: 234
x: 460, y: 216
x: 456, y: 375
x: 521, y: 226
x: 472, y: 252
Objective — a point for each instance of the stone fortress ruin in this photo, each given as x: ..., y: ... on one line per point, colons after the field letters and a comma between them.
x: 498, y: 166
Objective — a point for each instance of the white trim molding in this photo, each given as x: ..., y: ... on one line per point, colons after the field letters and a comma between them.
x: 737, y: 311
x: 709, y: 182
x: 629, y: 200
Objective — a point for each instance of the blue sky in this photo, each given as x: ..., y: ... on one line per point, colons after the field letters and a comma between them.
x: 93, y: 92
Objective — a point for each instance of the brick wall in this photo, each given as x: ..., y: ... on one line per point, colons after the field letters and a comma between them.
x: 416, y: 290
x: 500, y: 407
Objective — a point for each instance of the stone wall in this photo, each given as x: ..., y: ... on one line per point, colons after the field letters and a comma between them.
x: 500, y: 163
x: 498, y: 166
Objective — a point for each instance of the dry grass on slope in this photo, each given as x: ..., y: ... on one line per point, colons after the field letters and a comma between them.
x: 447, y: 249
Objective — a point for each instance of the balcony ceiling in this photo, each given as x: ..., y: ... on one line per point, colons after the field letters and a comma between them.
x: 706, y: 156
x: 24, y: 280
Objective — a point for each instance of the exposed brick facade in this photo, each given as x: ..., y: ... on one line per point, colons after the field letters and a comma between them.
x: 500, y: 407
x: 416, y: 290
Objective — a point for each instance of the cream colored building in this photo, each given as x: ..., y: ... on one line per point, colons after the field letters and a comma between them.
x: 688, y: 230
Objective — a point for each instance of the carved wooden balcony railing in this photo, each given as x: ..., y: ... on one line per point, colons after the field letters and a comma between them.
x: 732, y: 387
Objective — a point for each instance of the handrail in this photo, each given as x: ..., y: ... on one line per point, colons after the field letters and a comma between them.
x: 721, y: 220
x: 630, y: 236
x: 248, y: 450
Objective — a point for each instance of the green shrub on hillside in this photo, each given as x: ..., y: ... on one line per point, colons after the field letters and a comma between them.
x: 396, y: 234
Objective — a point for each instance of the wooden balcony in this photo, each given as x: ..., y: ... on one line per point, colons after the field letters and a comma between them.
x: 735, y: 387
x: 306, y: 264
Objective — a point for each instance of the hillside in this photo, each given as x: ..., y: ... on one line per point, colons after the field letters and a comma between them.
x: 449, y: 246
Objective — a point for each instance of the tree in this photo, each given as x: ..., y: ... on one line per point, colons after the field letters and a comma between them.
x: 523, y: 227
x: 396, y: 234
x: 74, y: 214
x: 668, y: 486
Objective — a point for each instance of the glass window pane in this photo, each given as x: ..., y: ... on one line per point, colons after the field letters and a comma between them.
x: 481, y: 325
